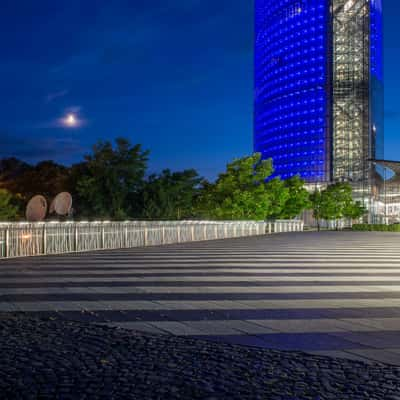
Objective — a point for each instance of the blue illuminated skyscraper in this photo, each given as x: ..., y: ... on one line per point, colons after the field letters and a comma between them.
x: 319, y: 87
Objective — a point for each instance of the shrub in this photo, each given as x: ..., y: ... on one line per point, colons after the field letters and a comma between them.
x: 8, y: 208
x: 376, y: 228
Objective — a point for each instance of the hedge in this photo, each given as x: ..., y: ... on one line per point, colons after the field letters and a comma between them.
x: 376, y: 227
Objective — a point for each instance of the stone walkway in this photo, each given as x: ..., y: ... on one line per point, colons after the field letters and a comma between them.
x: 334, y: 293
x: 58, y: 359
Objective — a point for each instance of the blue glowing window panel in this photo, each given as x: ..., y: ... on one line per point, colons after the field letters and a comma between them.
x: 376, y: 39
x: 291, y: 78
x: 376, y: 88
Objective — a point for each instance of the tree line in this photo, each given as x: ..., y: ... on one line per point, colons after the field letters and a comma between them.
x: 111, y: 183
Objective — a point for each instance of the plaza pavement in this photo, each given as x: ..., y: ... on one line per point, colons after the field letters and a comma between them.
x: 330, y: 293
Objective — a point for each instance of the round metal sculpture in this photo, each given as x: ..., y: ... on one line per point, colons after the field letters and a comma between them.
x: 36, y: 209
x: 62, y: 204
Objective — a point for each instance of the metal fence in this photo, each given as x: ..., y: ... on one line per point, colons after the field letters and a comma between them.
x: 284, y: 225
x: 31, y: 239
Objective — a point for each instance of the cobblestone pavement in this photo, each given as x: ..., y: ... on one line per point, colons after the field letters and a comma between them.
x: 57, y: 359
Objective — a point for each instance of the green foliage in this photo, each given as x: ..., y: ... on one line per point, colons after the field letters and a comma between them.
x: 206, y: 200
x: 376, y: 227
x: 46, y: 178
x: 342, y: 204
x: 110, y: 183
x: 354, y: 210
x: 238, y: 193
x: 278, y: 195
x: 341, y: 199
x: 10, y: 170
x: 110, y: 177
x: 298, y: 198
x: 321, y: 205
x: 8, y: 209
x: 243, y: 192
x: 170, y: 195
x: 334, y: 203
x: 317, y: 205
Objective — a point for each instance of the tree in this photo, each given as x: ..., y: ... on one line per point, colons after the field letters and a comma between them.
x: 77, y: 172
x: 321, y: 205
x: 298, y: 198
x: 10, y: 170
x: 206, y: 201
x: 46, y: 178
x: 334, y: 203
x: 171, y: 195
x: 240, y: 192
x: 112, y: 177
x: 341, y: 197
x: 8, y: 210
x: 278, y: 194
x: 354, y: 210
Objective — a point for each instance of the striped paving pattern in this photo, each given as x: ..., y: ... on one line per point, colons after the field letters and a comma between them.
x: 333, y: 293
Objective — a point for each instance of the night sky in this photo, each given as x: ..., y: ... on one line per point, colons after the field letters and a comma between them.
x: 175, y: 76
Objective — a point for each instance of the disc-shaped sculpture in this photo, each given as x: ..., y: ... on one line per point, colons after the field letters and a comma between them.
x: 63, y: 203
x: 36, y: 209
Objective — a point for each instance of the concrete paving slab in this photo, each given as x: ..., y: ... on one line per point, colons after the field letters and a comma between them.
x: 336, y: 293
x: 342, y: 354
x: 378, y: 355
x: 137, y: 326
x: 310, y: 325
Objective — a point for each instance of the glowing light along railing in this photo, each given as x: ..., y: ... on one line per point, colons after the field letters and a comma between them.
x: 290, y: 120
x: 25, y: 239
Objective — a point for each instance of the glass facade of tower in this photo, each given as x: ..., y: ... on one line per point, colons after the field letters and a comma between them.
x: 318, y: 87
x: 376, y: 76
x: 291, y: 86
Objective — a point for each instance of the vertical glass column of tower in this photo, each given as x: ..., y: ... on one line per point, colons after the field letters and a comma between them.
x: 318, y: 87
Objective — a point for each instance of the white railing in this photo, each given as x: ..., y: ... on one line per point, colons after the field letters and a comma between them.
x: 31, y: 239
x: 285, y: 225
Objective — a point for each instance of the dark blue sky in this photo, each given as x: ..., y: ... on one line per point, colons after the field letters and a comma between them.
x: 176, y: 76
